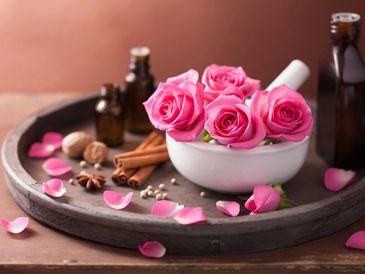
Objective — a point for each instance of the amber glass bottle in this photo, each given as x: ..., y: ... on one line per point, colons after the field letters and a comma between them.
x: 341, y: 97
x: 139, y: 87
x: 110, y: 116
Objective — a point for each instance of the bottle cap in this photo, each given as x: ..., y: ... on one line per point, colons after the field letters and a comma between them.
x: 345, y: 17
x: 345, y: 25
x: 140, y: 51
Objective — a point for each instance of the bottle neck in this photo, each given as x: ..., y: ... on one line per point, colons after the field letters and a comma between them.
x: 345, y: 29
x: 110, y: 92
x: 343, y: 44
x: 139, y: 66
x: 344, y: 40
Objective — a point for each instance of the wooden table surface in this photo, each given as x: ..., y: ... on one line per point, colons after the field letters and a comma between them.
x: 42, y: 249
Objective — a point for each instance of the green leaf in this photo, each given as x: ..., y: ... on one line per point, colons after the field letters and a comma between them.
x: 206, y: 136
x: 280, y: 189
x: 285, y: 202
x: 268, y: 141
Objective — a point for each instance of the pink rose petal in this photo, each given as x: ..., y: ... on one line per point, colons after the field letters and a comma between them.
x: 54, y: 188
x: 16, y: 226
x: 56, y: 167
x: 336, y: 179
x: 152, y: 249
x: 38, y: 150
x: 191, y: 75
x: 190, y: 215
x: 230, y: 208
x: 165, y: 208
x: 117, y: 201
x: 54, y: 139
x: 231, y: 90
x: 264, y: 199
x: 51, y: 141
x: 356, y: 240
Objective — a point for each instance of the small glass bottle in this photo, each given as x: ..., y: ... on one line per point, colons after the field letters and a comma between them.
x: 110, y: 116
x: 341, y: 97
x: 139, y: 87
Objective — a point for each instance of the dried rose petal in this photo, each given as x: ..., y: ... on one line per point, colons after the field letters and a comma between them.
x: 165, y: 208
x: 230, y: 208
x: 56, y: 167
x: 356, y: 240
x: 53, y: 138
x: 54, y: 188
x: 190, y: 215
x: 152, y: 249
x: 38, y: 150
x: 117, y: 201
x: 16, y: 226
x: 336, y: 179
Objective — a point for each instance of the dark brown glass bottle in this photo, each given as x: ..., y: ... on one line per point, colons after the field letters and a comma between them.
x: 341, y: 97
x: 139, y: 87
x: 110, y: 116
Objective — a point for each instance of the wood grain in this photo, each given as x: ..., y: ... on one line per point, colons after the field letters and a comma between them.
x: 45, y: 250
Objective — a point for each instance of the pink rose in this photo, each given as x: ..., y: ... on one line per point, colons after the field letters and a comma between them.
x: 232, y: 123
x: 218, y: 78
x: 264, y: 199
x: 191, y: 75
x: 177, y: 107
x: 234, y: 91
x: 285, y: 113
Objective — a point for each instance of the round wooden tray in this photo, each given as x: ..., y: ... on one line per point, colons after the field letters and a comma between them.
x: 84, y: 214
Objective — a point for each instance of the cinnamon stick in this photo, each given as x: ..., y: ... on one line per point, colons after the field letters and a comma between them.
x: 116, y: 178
x: 141, y: 176
x: 154, y: 139
x: 125, y: 174
x: 120, y: 176
x: 146, y: 151
x: 145, y: 160
x: 153, y: 135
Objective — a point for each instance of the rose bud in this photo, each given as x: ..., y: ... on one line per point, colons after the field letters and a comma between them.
x: 264, y: 199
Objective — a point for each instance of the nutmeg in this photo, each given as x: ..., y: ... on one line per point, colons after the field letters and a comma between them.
x: 96, y: 153
x: 74, y: 144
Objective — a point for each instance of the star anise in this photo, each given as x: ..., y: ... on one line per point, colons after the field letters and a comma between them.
x: 90, y: 181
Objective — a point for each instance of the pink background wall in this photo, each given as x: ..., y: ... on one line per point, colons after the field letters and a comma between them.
x: 71, y: 45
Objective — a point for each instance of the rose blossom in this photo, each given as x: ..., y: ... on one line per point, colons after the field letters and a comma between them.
x: 234, y: 91
x: 177, y: 106
x: 218, y: 78
x: 232, y: 123
x: 285, y: 113
x: 191, y: 75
